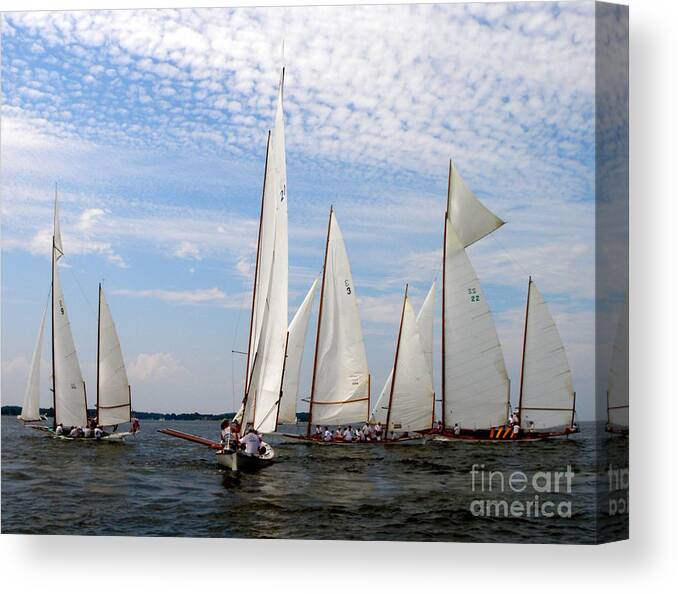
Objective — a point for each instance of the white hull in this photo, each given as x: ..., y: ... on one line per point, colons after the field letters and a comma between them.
x: 239, y: 461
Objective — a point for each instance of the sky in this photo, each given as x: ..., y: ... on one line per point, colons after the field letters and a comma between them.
x: 153, y: 123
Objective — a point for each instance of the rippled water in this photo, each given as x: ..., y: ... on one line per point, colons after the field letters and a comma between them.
x: 155, y: 485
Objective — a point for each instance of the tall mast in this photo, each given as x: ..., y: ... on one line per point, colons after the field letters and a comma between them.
x: 98, y: 347
x: 522, y: 366
x: 320, y: 317
x: 395, y: 364
x: 54, y: 420
x: 256, y: 270
x: 282, y: 378
x: 447, y: 212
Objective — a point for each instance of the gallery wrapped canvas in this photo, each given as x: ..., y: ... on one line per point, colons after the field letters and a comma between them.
x: 350, y: 272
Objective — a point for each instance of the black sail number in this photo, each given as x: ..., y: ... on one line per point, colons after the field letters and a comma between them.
x: 473, y: 294
x: 348, y: 287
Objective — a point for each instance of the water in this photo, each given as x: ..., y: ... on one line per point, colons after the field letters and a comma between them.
x: 155, y: 485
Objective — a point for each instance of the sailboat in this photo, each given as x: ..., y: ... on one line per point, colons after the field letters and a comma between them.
x: 618, y: 381
x: 406, y: 403
x: 268, y: 332
x: 475, y: 385
x: 68, y: 385
x: 341, y: 379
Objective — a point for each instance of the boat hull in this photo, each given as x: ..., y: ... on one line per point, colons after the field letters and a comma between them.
x: 109, y: 437
x: 238, y: 461
x: 414, y: 440
x: 501, y: 434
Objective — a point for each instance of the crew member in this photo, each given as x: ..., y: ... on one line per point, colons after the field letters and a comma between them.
x: 252, y: 442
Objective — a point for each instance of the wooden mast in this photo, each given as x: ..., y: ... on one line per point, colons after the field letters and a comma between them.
x: 320, y: 317
x: 522, y: 365
x: 447, y: 213
x: 256, y: 274
x: 395, y: 364
x: 282, y: 378
x: 54, y: 420
x: 99, y: 349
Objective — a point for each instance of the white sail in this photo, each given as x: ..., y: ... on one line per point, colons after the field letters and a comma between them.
x: 69, y: 398
x: 618, y: 382
x: 30, y: 411
x: 340, y: 392
x: 547, y: 396
x: 425, y: 328
x: 295, y: 351
x: 472, y: 220
x: 475, y: 380
x: 113, y: 398
x: 267, y: 341
x: 411, y: 395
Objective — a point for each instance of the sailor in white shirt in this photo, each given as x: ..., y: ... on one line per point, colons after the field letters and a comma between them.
x: 457, y: 429
x: 348, y: 434
x: 59, y: 429
x: 252, y: 442
x: 98, y: 433
x: 327, y: 436
x: 87, y: 431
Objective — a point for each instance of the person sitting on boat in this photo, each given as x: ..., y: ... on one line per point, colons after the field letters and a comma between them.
x: 318, y: 433
x: 136, y: 425
x: 531, y: 426
x: 339, y: 433
x: 378, y: 430
x: 98, y: 433
x: 514, y: 418
x: 516, y: 429
x: 252, y: 442
x: 59, y: 429
x: 226, y: 433
x: 365, y: 432
x: 75, y: 432
x: 456, y: 429
x: 439, y: 427
x: 87, y: 431
x: 327, y: 436
x: 348, y: 434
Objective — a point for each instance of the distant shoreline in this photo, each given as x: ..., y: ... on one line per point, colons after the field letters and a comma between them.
x: 14, y: 411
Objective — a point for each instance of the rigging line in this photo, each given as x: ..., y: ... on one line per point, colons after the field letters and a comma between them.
x: 505, y: 250
x: 77, y: 282
x: 236, y: 336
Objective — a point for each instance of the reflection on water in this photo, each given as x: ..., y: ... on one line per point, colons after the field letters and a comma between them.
x: 155, y: 485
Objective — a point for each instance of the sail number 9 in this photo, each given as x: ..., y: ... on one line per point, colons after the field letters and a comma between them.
x: 473, y: 294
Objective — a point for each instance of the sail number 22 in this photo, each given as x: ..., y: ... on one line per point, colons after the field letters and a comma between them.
x: 473, y: 294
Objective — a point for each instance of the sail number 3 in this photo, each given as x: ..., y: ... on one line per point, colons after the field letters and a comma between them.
x: 348, y: 287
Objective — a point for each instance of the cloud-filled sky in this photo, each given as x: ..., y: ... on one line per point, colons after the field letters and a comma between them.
x: 154, y: 123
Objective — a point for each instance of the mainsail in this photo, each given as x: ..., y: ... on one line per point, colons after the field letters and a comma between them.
x: 30, y: 411
x: 70, y: 403
x: 475, y: 382
x: 340, y: 384
x: 411, y: 395
x: 114, y: 404
x: 425, y: 338
x: 268, y: 326
x: 618, y: 382
x: 546, y: 392
x: 296, y: 338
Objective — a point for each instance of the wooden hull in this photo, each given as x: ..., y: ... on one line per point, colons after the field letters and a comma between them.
x: 500, y: 434
x: 414, y: 440
x: 237, y: 461
x: 108, y: 438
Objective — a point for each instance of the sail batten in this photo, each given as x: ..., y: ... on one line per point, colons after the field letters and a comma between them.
x: 340, y: 385
x: 113, y: 391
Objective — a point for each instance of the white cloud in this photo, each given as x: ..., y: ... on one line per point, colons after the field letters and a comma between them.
x: 154, y: 368
x: 195, y: 296
x: 187, y: 250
